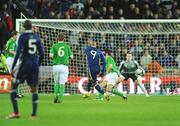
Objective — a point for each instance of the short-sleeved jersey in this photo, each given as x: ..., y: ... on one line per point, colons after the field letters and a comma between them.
x: 29, y: 48
x: 61, y: 53
x: 110, y: 61
x: 128, y: 67
x: 10, y: 46
x: 94, y: 56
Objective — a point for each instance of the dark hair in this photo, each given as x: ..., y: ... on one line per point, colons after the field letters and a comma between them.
x: 27, y: 25
x: 108, y: 51
x: 128, y: 52
x: 61, y: 36
x: 14, y: 33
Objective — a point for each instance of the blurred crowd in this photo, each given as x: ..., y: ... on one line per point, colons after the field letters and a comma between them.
x: 104, y: 9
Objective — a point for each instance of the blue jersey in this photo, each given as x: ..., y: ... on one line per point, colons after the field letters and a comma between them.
x: 29, y: 48
x: 94, y: 56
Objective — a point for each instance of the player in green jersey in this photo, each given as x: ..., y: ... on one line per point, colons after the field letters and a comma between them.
x: 10, y: 51
x: 131, y: 69
x: 60, y: 53
x: 111, y: 77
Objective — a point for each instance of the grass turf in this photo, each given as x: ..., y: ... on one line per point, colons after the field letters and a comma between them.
x: 75, y: 111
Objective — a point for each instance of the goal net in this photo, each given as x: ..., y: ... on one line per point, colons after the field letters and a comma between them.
x: 155, y: 44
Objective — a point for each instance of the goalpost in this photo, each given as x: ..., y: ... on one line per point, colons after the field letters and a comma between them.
x: 155, y: 44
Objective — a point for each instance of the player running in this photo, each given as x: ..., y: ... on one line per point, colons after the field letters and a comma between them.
x: 30, y: 54
x: 94, y: 56
x: 10, y: 51
x: 129, y: 69
x: 60, y: 53
x: 111, y: 77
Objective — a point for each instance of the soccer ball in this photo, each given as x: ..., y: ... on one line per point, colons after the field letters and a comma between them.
x: 139, y: 71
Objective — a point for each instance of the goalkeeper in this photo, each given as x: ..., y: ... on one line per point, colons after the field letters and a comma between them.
x: 60, y: 53
x: 111, y: 77
x: 130, y: 69
x: 10, y: 51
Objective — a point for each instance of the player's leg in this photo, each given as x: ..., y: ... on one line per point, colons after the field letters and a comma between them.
x: 19, y: 77
x: 35, y: 99
x: 62, y: 80
x: 56, y: 83
x: 94, y: 73
x: 111, y: 86
x: 13, y: 97
x: 89, y: 85
x: 9, y: 62
x: 138, y: 81
x: 32, y: 80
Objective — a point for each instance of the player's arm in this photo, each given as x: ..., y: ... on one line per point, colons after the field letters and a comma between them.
x: 70, y: 52
x: 121, y: 67
x: 110, y: 65
x: 18, y: 51
x: 51, y: 54
x: 12, y: 49
x: 41, y: 51
x: 139, y: 67
x: 103, y: 63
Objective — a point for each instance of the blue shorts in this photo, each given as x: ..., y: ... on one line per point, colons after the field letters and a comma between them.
x: 29, y: 71
x: 93, y: 73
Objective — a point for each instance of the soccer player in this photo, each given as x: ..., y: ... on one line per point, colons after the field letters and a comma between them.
x: 129, y: 69
x: 60, y: 53
x: 111, y: 77
x: 10, y: 50
x: 30, y: 54
x: 94, y: 56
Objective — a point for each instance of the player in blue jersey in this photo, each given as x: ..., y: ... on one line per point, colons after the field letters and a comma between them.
x: 94, y: 56
x: 29, y: 55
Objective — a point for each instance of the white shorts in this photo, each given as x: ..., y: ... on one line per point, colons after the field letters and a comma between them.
x: 111, y: 78
x: 60, y: 73
x: 9, y: 62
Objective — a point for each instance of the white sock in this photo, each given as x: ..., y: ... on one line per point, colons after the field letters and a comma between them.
x: 143, y: 89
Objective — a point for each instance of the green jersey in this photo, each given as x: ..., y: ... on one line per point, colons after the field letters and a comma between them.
x: 128, y: 67
x: 61, y: 53
x: 110, y: 61
x: 10, y: 46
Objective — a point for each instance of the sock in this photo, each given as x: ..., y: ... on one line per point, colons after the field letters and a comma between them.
x: 13, y: 96
x: 61, y: 90
x: 98, y: 88
x: 56, y: 90
x: 34, y: 103
x: 143, y: 88
x: 116, y: 92
x: 89, y: 86
x: 19, y: 90
x: 100, y: 95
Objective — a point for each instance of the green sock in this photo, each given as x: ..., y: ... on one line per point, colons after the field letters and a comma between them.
x: 56, y: 90
x: 116, y: 92
x: 100, y: 95
x: 61, y: 90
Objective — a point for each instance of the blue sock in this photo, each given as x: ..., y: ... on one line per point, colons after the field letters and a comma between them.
x: 89, y: 86
x: 13, y: 96
x: 98, y: 88
x: 34, y: 103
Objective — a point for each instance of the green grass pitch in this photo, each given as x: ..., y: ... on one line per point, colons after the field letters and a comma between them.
x: 75, y: 111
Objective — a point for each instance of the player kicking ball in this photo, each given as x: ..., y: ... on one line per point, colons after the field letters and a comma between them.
x: 94, y: 56
x: 130, y: 69
x: 60, y: 53
x: 111, y: 77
